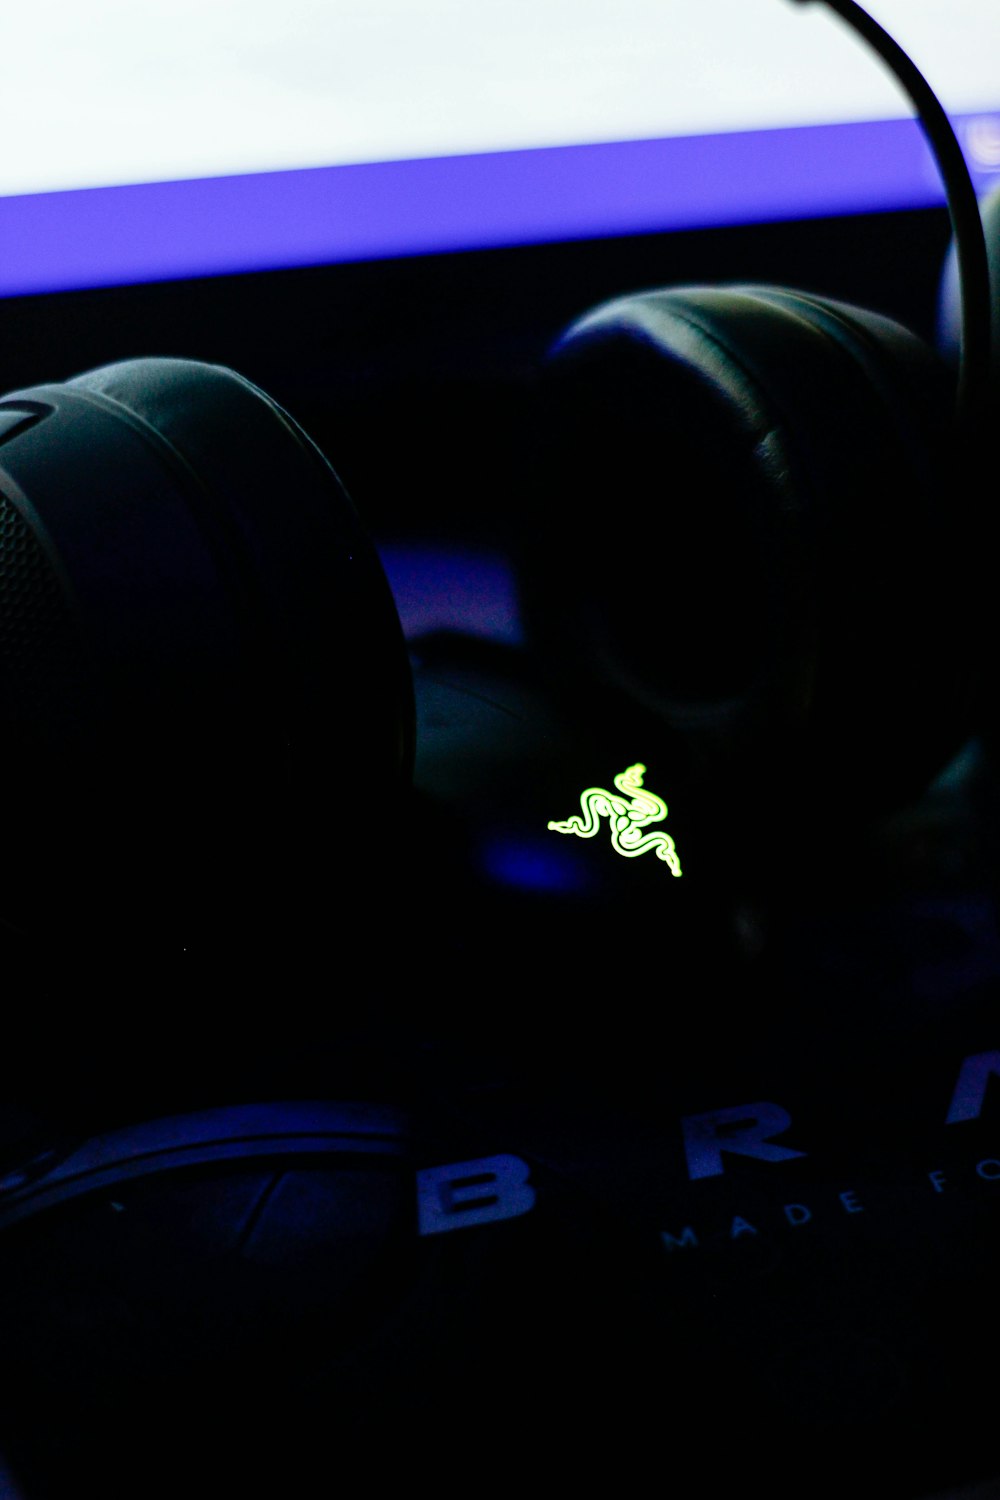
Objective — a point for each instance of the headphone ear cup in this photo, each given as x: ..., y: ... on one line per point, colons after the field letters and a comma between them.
x: 202, y: 661
x: 741, y: 524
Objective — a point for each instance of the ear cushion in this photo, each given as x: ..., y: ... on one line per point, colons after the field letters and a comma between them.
x: 217, y: 659
x: 302, y: 574
x: 740, y: 512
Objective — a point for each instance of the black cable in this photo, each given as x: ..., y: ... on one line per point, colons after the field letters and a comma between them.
x: 963, y: 209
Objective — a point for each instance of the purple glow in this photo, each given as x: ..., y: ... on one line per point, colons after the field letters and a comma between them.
x: 214, y: 226
x: 531, y: 865
x: 452, y: 588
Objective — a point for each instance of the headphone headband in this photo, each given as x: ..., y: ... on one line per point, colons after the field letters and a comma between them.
x: 963, y: 208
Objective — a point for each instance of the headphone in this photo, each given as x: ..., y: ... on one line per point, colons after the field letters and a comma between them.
x: 745, y: 529
x: 756, y: 517
x: 750, y: 535
x: 200, y: 649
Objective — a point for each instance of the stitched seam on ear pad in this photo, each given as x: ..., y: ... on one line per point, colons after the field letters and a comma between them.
x: 798, y: 405
x: 837, y: 442
x: 757, y: 417
x: 792, y: 410
x: 846, y: 326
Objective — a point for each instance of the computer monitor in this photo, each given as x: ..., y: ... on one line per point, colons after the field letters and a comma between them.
x: 190, y: 138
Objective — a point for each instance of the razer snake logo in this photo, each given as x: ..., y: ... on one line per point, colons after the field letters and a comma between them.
x: 629, y: 812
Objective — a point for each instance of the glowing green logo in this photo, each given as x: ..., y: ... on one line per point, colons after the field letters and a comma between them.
x: 628, y: 815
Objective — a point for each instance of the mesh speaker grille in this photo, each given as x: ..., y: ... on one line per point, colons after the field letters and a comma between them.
x: 41, y: 660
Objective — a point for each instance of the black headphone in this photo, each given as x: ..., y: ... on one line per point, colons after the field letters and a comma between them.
x: 756, y: 517
x: 201, y: 663
x: 745, y: 524
x: 200, y: 651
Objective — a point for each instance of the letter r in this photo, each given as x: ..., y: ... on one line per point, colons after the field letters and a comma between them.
x: 743, y: 1131
x: 970, y: 1089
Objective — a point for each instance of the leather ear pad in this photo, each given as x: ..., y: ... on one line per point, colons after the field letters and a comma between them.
x: 204, y: 645
x: 740, y: 522
x: 302, y: 575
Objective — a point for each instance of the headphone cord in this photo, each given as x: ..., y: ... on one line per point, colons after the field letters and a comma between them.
x: 963, y: 210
